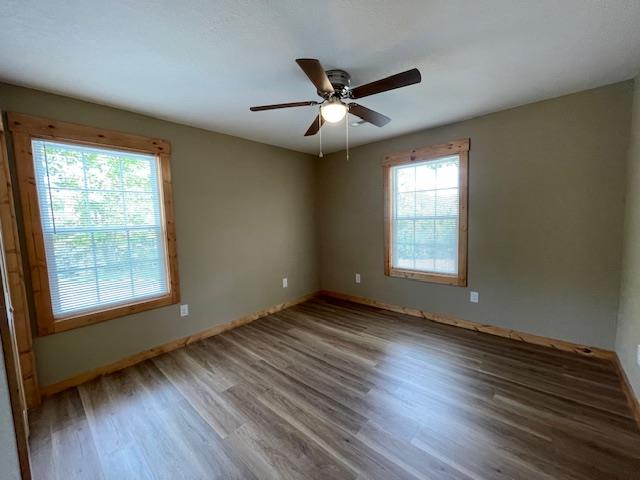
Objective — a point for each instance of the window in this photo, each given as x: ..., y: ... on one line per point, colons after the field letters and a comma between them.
x: 426, y: 214
x: 100, y: 223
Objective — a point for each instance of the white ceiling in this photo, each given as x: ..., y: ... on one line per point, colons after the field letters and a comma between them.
x: 204, y: 62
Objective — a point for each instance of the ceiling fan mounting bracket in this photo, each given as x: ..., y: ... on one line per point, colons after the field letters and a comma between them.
x: 341, y: 82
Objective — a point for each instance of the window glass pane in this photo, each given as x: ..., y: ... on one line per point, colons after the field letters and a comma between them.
x: 73, y: 250
x: 137, y: 175
x: 406, y: 206
x: 102, y: 224
x: 404, y: 231
x: 105, y: 208
x: 425, y: 177
x: 404, y: 255
x: 406, y: 179
x: 64, y: 168
x: 426, y: 200
x: 447, y: 202
x: 447, y: 173
x: 74, y: 287
x: 425, y: 204
x: 115, y: 283
x: 69, y: 208
x: 446, y: 245
x: 425, y: 232
x: 425, y: 260
x: 141, y: 208
x: 145, y: 245
x: 145, y: 281
x: 103, y: 171
x: 111, y: 247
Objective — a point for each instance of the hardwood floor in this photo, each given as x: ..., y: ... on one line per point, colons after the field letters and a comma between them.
x: 334, y: 390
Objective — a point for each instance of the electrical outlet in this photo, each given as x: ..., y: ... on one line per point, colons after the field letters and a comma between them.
x: 474, y: 297
x: 357, y: 278
x: 184, y: 310
x: 638, y: 359
x: 285, y: 282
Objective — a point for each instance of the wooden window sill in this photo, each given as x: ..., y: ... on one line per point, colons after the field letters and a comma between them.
x: 428, y: 277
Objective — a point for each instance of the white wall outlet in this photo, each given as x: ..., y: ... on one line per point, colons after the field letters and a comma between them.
x: 184, y: 310
x: 474, y: 297
x: 358, y: 278
x: 638, y: 359
x: 285, y: 282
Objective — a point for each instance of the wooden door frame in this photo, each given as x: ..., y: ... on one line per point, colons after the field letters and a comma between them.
x: 15, y: 276
x: 14, y: 380
x: 15, y: 328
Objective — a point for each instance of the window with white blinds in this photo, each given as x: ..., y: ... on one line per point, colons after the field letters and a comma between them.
x: 103, y: 226
x: 425, y: 215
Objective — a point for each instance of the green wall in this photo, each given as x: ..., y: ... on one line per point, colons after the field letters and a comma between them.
x: 545, y: 218
x: 628, y: 337
x: 244, y: 219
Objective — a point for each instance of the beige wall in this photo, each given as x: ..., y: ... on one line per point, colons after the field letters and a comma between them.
x: 545, y: 218
x: 244, y: 217
x: 628, y: 335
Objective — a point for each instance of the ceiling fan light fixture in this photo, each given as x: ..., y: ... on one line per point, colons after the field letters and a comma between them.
x: 333, y: 111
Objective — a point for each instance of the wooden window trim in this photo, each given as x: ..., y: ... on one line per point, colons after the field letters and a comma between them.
x: 456, y: 147
x: 24, y: 128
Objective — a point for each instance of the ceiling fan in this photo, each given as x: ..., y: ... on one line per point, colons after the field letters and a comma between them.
x: 334, y: 87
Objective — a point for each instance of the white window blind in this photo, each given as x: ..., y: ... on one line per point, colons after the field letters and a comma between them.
x: 103, y: 226
x: 425, y: 209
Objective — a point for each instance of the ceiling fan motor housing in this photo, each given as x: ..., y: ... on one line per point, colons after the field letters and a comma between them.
x: 341, y: 82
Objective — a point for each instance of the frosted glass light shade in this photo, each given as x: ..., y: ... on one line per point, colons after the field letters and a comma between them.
x: 333, y: 112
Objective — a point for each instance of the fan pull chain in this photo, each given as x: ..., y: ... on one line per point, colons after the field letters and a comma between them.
x: 346, y: 127
x: 320, y: 131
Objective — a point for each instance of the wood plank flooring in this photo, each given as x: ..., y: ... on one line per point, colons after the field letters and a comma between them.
x: 333, y: 390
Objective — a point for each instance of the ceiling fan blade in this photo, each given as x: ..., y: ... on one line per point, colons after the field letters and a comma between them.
x: 368, y: 115
x: 316, y: 74
x: 315, y: 126
x: 282, y: 105
x: 398, y: 80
